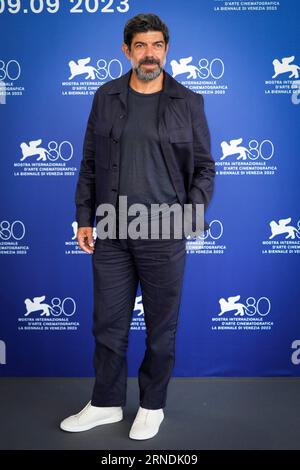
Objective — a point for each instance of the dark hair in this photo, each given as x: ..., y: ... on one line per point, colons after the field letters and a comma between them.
x: 141, y: 24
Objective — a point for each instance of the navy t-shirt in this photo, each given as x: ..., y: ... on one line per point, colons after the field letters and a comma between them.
x: 144, y: 176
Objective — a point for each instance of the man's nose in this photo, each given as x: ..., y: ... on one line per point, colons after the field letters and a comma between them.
x: 149, y: 50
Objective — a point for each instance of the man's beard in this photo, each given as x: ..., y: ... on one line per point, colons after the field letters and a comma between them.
x: 150, y: 74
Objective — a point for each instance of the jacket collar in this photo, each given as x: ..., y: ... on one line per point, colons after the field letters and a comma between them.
x: 170, y: 86
x: 171, y: 89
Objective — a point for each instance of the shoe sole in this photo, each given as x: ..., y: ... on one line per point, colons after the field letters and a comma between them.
x: 142, y: 438
x: 91, y: 426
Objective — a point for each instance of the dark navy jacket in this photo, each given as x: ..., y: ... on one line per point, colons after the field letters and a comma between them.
x: 184, y: 138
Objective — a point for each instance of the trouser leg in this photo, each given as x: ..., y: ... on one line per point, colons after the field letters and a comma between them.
x: 160, y: 265
x: 115, y: 286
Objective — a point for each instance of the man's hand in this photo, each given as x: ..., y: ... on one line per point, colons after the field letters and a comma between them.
x: 85, y: 239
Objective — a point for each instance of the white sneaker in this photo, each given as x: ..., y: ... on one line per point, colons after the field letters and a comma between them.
x: 146, y: 423
x: 92, y: 416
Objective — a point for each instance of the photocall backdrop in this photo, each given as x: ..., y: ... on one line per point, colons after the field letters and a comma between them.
x: 240, y: 312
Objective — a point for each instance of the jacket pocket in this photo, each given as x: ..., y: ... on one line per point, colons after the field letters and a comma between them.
x: 102, y: 132
x: 181, y: 143
x: 181, y: 134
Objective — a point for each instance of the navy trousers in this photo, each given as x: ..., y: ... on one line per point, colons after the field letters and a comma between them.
x: 118, y: 266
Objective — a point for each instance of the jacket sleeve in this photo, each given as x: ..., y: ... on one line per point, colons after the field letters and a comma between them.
x: 85, y: 189
x: 202, y: 185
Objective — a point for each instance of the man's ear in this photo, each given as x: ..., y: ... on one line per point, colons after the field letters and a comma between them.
x: 125, y: 49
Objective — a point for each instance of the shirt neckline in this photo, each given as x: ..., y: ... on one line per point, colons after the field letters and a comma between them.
x: 143, y: 94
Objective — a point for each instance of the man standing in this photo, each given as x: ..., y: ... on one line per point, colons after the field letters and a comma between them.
x: 147, y: 140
